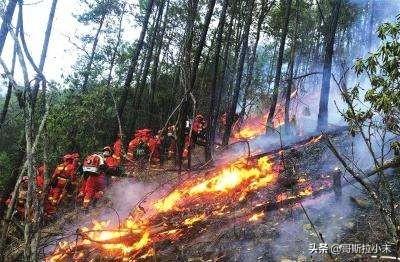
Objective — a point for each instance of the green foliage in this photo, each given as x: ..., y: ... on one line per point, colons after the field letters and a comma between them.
x: 5, y: 167
x: 80, y: 122
x: 382, y: 69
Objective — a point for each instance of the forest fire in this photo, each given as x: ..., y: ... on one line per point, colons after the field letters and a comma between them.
x: 255, y: 125
x: 220, y: 191
x: 190, y: 206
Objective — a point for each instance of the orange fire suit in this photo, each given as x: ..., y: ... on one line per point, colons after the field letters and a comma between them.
x: 63, y: 176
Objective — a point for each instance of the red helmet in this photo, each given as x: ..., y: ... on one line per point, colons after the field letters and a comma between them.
x: 92, y: 163
x: 68, y: 157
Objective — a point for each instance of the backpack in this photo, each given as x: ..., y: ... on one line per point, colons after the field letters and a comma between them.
x: 142, y: 150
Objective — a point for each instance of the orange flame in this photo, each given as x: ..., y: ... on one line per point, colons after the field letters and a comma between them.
x: 226, y: 180
x: 256, y: 125
x: 134, y: 236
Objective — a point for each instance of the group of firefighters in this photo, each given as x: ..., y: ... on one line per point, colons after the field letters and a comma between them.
x: 86, y: 182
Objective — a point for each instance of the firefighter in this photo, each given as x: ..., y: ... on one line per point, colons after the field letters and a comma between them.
x: 40, y: 177
x: 199, y: 130
x: 63, y: 180
x: 198, y: 135
x: 117, y: 149
x: 171, y: 141
x: 138, y: 148
x: 21, y: 197
x: 111, y: 164
x: 23, y: 188
x: 155, y: 147
x: 95, y: 184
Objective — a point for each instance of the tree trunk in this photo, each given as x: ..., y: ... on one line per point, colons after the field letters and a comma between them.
x: 290, y: 71
x: 9, y: 90
x: 238, y: 44
x: 7, y: 19
x: 154, y: 70
x: 278, y: 71
x: 134, y: 60
x: 142, y: 84
x: 327, y: 70
x: 93, y: 52
x: 45, y: 47
x: 109, y: 79
x: 232, y: 109
x: 264, y: 11
x: 213, y: 97
x: 222, y: 78
x: 192, y: 6
x: 196, y: 62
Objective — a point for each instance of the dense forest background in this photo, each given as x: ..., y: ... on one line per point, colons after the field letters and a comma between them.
x: 230, y: 56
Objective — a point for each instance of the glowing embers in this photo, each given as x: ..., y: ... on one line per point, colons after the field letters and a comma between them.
x: 256, y: 217
x: 192, y: 220
x: 236, y: 180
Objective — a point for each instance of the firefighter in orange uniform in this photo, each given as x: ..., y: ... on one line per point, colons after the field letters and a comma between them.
x: 111, y: 164
x: 117, y: 149
x: 40, y: 177
x: 138, y: 148
x: 155, y: 147
x: 198, y: 135
x: 22, y: 191
x: 94, y: 169
x: 21, y: 197
x: 63, y: 180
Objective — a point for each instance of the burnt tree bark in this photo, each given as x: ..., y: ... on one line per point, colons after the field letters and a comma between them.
x: 134, y: 60
x: 278, y: 72
x: 239, y: 75
x: 327, y: 70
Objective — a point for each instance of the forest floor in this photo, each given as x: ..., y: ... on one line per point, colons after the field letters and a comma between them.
x: 285, y: 234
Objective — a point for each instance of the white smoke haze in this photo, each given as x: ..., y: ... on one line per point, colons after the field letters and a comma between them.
x: 126, y: 195
x: 330, y: 218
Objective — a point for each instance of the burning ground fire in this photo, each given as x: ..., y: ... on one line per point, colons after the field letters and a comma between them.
x: 247, y: 187
x: 170, y: 217
x: 255, y: 125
